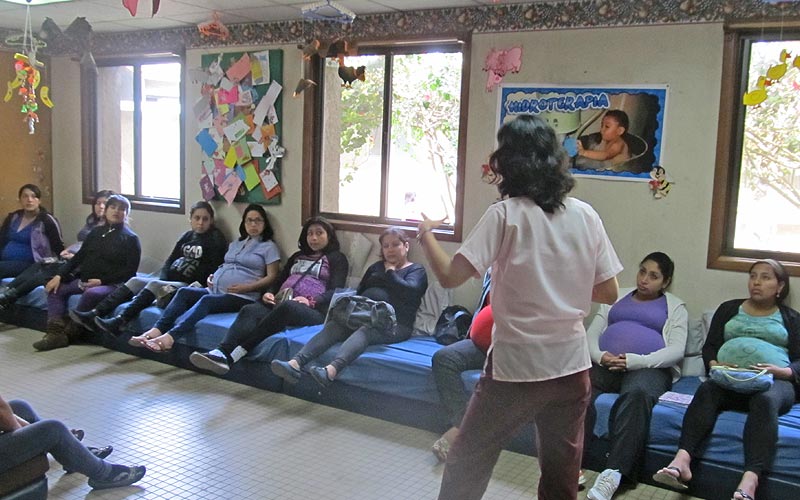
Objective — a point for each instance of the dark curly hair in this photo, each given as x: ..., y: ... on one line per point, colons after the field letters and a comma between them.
x: 530, y: 161
x: 333, y: 241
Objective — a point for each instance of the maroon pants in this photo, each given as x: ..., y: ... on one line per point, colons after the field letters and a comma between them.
x: 496, y: 412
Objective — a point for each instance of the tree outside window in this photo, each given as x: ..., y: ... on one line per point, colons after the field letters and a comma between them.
x: 756, y: 204
x: 389, y: 145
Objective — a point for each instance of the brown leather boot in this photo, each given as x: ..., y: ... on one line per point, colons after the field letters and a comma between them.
x: 54, y: 337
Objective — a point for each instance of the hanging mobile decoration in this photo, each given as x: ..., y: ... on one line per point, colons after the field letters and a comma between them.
x: 28, y: 77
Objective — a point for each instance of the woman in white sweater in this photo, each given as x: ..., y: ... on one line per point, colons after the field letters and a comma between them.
x: 636, y: 347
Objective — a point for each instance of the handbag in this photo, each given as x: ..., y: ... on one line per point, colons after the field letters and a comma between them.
x: 741, y: 380
x: 453, y: 325
x: 286, y: 294
x: 355, y: 311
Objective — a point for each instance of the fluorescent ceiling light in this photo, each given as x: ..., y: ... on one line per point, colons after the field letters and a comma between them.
x: 35, y: 2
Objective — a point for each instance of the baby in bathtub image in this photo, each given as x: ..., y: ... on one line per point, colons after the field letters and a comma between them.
x: 612, y: 149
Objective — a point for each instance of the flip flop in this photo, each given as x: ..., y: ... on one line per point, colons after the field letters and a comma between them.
x: 742, y: 494
x: 157, y: 346
x: 669, y: 480
x: 139, y: 340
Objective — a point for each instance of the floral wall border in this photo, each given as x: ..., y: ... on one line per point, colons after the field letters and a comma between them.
x: 487, y: 19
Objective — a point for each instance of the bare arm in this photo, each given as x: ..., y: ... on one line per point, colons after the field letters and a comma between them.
x: 606, y: 292
x: 451, y: 272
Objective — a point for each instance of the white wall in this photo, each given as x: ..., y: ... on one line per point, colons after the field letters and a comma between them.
x: 687, y: 58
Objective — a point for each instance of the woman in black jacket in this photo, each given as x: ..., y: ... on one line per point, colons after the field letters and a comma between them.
x: 109, y: 257
x: 197, y: 254
x: 312, y: 275
x: 41, y: 272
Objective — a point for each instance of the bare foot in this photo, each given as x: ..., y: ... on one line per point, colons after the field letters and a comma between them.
x: 677, y: 473
x: 160, y: 344
x: 747, y: 487
x: 141, y: 340
x: 331, y: 372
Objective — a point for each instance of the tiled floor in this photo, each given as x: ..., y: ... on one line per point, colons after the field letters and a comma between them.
x: 206, y: 438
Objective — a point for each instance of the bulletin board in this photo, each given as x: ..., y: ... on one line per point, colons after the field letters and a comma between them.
x: 239, y: 121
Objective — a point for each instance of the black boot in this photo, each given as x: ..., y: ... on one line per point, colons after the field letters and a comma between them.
x: 8, y: 297
x: 83, y: 318
x: 114, y: 325
x: 107, y: 305
x: 54, y: 337
x: 111, y: 326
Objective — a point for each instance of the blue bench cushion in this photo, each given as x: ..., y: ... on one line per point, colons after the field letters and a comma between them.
x: 402, y: 369
x: 724, y: 448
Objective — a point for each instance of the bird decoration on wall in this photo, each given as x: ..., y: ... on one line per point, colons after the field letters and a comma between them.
x: 349, y: 74
x: 773, y: 74
x: 133, y: 6
x: 303, y: 85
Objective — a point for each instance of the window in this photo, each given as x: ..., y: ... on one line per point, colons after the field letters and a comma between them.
x: 756, y: 204
x: 389, y: 147
x: 133, y: 132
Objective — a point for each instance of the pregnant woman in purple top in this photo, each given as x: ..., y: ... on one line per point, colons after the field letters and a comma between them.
x: 636, y: 347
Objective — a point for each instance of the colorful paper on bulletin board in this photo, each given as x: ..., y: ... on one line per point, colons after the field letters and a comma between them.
x: 274, y: 64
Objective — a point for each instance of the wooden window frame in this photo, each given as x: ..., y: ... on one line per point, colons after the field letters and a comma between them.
x: 312, y: 140
x: 89, y: 143
x: 721, y: 253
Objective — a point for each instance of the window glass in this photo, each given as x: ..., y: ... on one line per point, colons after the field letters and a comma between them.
x: 768, y: 205
x: 389, y: 137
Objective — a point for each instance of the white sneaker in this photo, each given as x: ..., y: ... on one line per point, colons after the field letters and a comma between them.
x: 605, y: 486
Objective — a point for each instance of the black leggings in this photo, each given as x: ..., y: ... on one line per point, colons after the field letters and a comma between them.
x: 35, y: 275
x: 760, y: 428
x: 255, y: 322
x: 354, y: 343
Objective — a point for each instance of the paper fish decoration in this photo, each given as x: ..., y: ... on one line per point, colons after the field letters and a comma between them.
x: 500, y: 62
x: 349, y: 74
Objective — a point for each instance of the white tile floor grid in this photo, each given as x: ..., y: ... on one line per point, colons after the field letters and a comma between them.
x: 203, y: 438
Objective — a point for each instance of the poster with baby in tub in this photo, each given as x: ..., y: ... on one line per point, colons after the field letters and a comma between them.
x: 612, y: 132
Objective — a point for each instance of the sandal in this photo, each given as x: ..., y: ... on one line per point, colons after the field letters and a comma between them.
x: 440, y: 448
x: 742, y: 495
x: 158, y: 346
x: 141, y: 340
x: 670, y: 480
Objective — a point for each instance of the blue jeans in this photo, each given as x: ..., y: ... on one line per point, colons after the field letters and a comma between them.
x: 448, y: 363
x: 191, y: 304
x: 47, y: 436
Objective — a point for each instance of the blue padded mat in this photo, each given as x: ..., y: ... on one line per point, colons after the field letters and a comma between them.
x: 725, y: 446
x: 402, y: 369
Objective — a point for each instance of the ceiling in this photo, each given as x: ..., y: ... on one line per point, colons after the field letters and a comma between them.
x: 111, y: 16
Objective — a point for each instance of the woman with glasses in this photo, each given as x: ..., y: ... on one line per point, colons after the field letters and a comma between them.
x: 251, y: 265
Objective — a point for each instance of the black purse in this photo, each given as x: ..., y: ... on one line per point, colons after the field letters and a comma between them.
x: 355, y: 311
